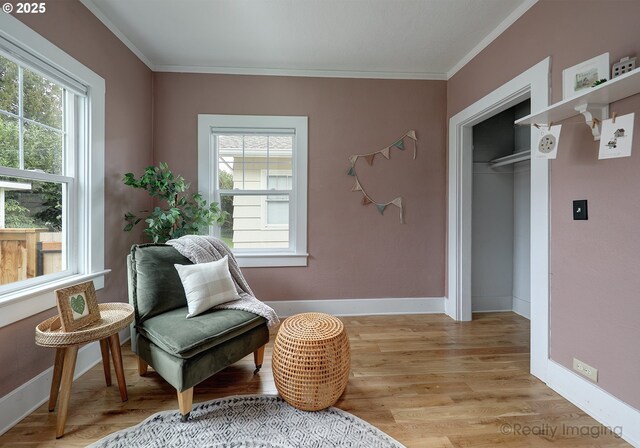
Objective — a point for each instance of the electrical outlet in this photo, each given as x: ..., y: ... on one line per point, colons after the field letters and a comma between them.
x: 585, y: 369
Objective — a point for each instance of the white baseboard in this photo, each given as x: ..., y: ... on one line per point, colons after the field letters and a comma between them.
x: 522, y: 307
x: 360, y: 307
x: 605, y: 408
x: 25, y: 399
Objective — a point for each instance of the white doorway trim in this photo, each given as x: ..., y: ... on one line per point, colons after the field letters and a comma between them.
x: 534, y: 84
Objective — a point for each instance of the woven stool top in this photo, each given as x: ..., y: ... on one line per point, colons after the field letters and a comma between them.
x: 312, y: 327
x: 113, y: 318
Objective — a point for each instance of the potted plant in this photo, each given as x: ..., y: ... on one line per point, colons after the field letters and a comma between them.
x: 179, y: 213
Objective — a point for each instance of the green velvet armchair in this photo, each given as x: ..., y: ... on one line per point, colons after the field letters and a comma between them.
x: 183, y: 351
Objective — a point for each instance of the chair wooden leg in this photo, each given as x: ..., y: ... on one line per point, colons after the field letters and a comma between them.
x: 70, y: 356
x: 57, y: 375
x: 106, y: 365
x: 116, y: 354
x: 185, y: 402
x: 258, y: 357
x: 143, y: 367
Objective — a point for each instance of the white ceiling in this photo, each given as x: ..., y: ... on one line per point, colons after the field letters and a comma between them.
x: 412, y: 39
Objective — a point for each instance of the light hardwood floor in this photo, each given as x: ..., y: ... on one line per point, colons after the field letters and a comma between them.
x: 423, y: 379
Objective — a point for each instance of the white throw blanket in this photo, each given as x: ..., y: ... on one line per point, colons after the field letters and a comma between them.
x: 203, y: 249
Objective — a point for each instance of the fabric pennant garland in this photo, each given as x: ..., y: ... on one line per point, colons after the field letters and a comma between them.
x: 398, y: 203
x: 369, y: 158
x: 399, y: 144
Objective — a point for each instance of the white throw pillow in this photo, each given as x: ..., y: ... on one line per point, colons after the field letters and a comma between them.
x: 207, y: 285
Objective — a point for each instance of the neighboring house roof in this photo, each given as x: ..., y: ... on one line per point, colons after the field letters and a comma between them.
x: 255, y: 142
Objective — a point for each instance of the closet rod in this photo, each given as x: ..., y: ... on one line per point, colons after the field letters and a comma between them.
x: 511, y: 158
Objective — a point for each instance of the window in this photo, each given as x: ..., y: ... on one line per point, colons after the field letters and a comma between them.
x: 255, y: 167
x: 275, y: 210
x: 51, y: 172
x: 34, y: 116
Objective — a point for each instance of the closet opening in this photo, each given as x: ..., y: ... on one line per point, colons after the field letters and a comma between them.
x: 501, y: 214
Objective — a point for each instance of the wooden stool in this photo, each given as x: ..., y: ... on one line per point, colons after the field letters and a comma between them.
x: 311, y: 360
x: 113, y: 318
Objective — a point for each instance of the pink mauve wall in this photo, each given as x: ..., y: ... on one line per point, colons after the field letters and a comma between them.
x: 70, y: 26
x: 354, y: 252
x: 594, y: 304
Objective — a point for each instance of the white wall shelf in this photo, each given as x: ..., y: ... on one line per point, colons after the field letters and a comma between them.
x: 592, y: 103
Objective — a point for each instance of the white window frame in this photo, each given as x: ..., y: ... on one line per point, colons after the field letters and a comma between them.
x: 86, y: 218
x: 296, y: 254
x: 264, y: 211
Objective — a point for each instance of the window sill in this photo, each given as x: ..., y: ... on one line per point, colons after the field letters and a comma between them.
x: 27, y: 302
x: 271, y: 260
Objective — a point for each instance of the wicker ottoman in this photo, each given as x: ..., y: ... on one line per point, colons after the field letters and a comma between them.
x: 311, y: 360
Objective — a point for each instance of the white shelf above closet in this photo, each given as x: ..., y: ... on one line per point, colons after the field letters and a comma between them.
x: 593, y: 103
x: 511, y: 158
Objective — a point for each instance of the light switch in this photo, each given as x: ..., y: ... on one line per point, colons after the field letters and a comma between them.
x: 580, y: 210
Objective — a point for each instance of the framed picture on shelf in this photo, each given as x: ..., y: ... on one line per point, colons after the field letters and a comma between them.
x: 582, y: 76
x: 77, y: 306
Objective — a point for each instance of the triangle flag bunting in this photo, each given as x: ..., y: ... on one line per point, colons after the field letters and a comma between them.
x: 398, y: 203
x: 369, y: 158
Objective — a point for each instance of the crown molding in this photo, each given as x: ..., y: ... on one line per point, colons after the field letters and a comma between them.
x: 497, y: 31
x: 91, y: 6
x: 505, y: 24
x: 299, y: 73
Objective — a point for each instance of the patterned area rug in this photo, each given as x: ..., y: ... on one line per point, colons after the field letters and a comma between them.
x: 251, y: 421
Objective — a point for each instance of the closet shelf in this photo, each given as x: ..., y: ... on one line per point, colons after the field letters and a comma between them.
x: 592, y: 103
x: 511, y: 158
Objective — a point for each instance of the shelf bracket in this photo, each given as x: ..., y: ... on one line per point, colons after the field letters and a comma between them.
x: 593, y: 110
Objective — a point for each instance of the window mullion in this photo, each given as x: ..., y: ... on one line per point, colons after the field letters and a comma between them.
x: 255, y: 192
x: 71, y: 217
x: 46, y: 126
x: 215, y: 174
x: 34, y: 175
x: 21, y: 119
x: 244, y: 163
x: 9, y: 114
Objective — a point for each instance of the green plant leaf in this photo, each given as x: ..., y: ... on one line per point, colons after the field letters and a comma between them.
x: 78, y: 304
x: 180, y: 213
